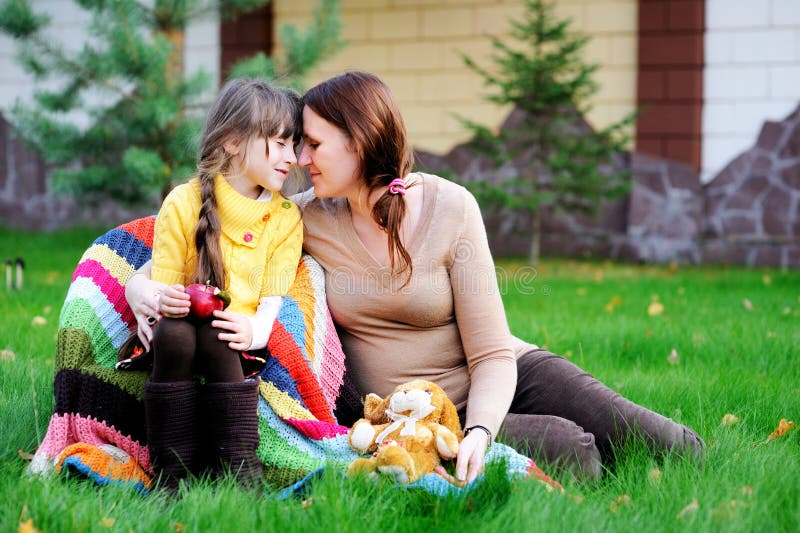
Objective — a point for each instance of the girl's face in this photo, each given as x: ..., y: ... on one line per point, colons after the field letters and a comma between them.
x: 262, y: 168
x: 329, y: 157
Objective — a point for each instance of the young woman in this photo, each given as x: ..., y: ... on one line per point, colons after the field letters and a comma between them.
x: 230, y: 227
x: 411, y: 286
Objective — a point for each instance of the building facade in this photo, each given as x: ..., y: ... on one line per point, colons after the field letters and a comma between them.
x: 705, y: 75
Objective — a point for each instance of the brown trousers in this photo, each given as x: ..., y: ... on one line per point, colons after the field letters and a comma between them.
x: 563, y: 416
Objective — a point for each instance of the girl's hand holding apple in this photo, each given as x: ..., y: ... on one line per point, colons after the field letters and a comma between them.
x: 174, y: 302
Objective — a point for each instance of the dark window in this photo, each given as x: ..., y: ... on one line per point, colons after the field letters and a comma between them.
x: 245, y: 35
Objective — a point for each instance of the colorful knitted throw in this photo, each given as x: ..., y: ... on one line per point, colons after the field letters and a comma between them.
x: 98, y: 430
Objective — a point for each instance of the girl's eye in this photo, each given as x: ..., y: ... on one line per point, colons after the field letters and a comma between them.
x: 282, y: 144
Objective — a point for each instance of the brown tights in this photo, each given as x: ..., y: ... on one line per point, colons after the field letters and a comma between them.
x: 182, y: 349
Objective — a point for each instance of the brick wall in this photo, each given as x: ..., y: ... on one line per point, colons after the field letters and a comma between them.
x: 248, y: 34
x: 670, y: 79
x: 414, y: 46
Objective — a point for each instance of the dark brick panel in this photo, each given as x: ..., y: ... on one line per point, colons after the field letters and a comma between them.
x: 670, y: 79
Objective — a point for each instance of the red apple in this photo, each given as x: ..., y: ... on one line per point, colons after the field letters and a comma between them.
x: 205, y: 299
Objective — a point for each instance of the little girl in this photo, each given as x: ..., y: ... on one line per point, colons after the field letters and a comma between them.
x: 230, y: 227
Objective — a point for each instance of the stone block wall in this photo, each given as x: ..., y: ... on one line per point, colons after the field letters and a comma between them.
x: 752, y: 211
x: 748, y: 215
x: 27, y: 202
x: 665, y: 212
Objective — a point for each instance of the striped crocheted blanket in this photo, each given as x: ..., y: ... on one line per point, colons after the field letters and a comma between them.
x: 97, y: 428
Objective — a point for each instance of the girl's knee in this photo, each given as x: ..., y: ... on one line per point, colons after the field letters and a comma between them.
x: 176, y: 329
x: 174, y: 338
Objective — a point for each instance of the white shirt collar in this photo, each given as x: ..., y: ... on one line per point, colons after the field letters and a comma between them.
x: 265, y: 196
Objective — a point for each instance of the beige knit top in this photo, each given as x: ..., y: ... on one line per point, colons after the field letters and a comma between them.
x: 447, y: 325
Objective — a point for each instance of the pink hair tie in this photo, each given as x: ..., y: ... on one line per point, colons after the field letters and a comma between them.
x: 397, y: 186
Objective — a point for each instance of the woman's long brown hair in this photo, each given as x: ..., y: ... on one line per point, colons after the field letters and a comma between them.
x: 245, y: 109
x: 362, y: 106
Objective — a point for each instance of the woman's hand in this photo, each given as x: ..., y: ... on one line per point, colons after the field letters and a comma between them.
x: 470, y: 461
x: 174, y: 302
x: 241, y: 330
x: 142, y: 295
x: 471, y: 456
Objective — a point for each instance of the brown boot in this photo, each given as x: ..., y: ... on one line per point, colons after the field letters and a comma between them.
x: 171, y: 432
x: 231, y: 414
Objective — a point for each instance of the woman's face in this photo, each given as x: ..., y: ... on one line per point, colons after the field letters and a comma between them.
x: 329, y: 157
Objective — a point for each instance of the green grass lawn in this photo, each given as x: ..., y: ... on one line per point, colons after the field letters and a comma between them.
x: 735, y: 335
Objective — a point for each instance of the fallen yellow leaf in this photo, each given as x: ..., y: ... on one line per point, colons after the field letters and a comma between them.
x: 108, y: 522
x: 747, y: 304
x: 577, y: 498
x: 767, y: 279
x: 27, y: 527
x: 7, y: 355
x: 729, y: 419
x: 305, y: 504
x: 728, y: 510
x: 691, y: 508
x: 655, y: 475
x: 747, y: 491
x: 619, y: 503
x: 39, y: 321
x: 25, y: 455
x: 673, y: 358
x: 614, y: 302
x: 655, y: 308
x: 784, y: 426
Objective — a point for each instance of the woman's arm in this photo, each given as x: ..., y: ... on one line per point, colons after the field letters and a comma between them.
x: 481, y: 320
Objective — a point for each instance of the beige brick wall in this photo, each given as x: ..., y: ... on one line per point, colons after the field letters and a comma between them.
x: 415, y: 46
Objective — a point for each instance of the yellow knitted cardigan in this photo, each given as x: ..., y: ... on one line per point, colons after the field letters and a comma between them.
x: 261, y: 242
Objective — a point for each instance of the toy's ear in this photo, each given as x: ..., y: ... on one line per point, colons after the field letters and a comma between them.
x: 449, y: 417
x: 375, y: 409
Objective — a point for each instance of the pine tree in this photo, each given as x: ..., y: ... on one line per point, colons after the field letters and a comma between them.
x: 125, y: 118
x: 550, y: 160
